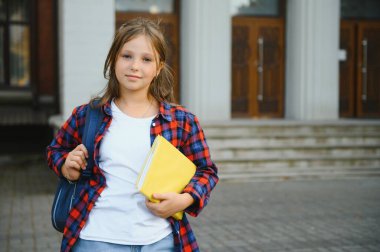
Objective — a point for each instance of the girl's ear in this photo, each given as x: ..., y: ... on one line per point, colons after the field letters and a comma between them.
x: 160, y: 66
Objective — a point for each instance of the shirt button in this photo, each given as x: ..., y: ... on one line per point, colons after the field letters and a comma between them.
x: 153, y: 124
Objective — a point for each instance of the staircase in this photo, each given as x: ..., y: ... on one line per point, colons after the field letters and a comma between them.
x: 280, y: 150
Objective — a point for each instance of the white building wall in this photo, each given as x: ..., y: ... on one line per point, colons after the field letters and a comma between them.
x: 312, y: 38
x: 206, y: 58
x: 86, y: 30
x: 312, y: 65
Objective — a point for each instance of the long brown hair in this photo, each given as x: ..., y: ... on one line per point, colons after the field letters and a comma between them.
x: 161, y: 87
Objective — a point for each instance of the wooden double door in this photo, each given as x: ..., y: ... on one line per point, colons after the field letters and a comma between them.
x: 360, y: 69
x: 257, y: 67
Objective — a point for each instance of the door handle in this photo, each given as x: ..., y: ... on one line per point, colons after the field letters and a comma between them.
x: 260, y: 68
x: 364, y: 69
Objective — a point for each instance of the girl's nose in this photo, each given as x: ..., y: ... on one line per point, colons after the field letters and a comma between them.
x: 134, y: 66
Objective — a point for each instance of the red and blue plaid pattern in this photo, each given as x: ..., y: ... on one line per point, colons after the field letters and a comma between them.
x: 178, y: 126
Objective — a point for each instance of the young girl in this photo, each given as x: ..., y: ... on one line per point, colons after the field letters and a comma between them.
x: 111, y: 215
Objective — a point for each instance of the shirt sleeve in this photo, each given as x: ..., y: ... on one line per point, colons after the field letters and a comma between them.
x: 66, y: 139
x: 205, y: 178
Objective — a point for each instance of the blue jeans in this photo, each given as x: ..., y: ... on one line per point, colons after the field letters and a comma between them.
x: 164, y: 245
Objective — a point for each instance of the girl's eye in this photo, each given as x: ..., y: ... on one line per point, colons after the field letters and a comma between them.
x: 147, y: 59
x: 127, y: 56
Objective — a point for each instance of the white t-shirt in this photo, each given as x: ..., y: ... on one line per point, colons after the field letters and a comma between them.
x: 120, y: 215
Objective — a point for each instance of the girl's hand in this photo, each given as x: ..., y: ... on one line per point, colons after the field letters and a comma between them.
x: 170, y: 203
x: 74, y: 163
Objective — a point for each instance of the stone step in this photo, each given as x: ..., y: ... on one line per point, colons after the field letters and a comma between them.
x: 285, y: 152
x: 280, y: 134
x: 269, y: 141
x: 242, y: 165
x: 288, y: 149
x: 302, y: 173
x: 232, y: 129
x: 227, y: 145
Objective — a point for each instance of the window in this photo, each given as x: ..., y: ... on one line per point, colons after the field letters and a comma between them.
x: 255, y: 7
x: 150, y: 6
x: 363, y: 9
x: 15, y: 40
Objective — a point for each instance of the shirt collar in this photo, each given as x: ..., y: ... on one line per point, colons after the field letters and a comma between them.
x: 164, y: 110
x: 107, y: 108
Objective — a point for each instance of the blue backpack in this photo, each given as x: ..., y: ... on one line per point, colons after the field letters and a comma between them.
x: 67, y: 192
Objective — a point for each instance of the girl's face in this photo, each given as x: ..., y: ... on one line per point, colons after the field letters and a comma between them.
x: 136, y: 65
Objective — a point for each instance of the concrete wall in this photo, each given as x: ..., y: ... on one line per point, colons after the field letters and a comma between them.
x: 86, y: 30
x: 206, y: 58
x: 312, y: 65
x: 312, y: 39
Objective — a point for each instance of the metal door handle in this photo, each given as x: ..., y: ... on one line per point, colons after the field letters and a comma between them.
x: 260, y: 68
x: 364, y: 69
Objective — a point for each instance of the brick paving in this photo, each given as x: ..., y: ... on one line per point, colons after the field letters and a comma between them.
x: 301, y: 216
x: 317, y: 215
x: 28, y: 187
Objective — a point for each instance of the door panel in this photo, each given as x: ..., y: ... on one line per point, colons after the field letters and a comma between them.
x: 368, y: 86
x: 347, y: 70
x: 270, y: 77
x: 242, y: 65
x: 257, y: 67
x: 46, y: 47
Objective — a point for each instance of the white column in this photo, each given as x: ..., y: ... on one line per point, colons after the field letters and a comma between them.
x: 312, y: 66
x: 86, y: 30
x: 206, y: 58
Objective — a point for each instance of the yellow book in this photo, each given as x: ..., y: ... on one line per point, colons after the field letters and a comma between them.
x: 165, y: 169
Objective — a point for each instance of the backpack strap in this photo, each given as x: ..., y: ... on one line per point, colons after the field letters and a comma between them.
x: 94, y: 118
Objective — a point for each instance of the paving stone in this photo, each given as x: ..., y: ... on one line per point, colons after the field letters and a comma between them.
x: 299, y: 216
x: 296, y: 216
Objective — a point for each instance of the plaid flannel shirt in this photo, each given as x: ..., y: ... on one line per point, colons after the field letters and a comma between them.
x: 174, y: 123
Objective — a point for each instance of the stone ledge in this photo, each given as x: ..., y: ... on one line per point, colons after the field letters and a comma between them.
x: 56, y: 121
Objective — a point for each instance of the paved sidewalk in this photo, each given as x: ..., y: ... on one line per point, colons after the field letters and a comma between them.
x: 27, y: 186
x: 307, y: 216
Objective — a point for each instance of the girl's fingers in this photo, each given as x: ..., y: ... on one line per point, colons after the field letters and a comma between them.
x: 82, y: 148
x: 80, y: 158
x: 74, y: 165
x: 77, y: 159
